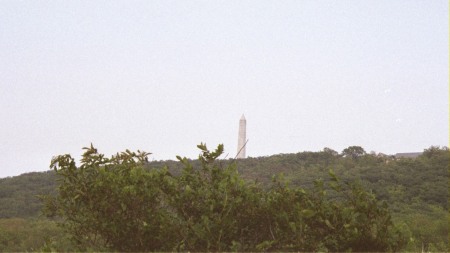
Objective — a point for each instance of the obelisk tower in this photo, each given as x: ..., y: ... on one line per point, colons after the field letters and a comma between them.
x: 242, y: 137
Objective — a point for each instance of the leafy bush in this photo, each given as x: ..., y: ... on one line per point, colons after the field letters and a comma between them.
x: 116, y: 204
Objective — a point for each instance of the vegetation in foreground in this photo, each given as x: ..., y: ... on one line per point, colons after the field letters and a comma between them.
x: 114, y: 204
x: 416, y: 190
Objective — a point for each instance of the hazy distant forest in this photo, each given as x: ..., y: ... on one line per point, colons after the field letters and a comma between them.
x: 308, y: 201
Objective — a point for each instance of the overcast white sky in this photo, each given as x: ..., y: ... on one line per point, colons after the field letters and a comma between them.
x: 163, y: 76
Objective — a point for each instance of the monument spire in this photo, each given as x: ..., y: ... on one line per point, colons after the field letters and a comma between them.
x: 242, y: 137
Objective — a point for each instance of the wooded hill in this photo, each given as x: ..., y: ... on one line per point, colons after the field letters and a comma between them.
x: 416, y: 190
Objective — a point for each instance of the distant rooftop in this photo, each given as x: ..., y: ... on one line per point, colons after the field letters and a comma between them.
x: 408, y: 155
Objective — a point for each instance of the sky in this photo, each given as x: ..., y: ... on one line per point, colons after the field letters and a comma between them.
x: 164, y: 76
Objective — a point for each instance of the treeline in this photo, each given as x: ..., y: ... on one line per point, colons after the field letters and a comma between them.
x: 18, y: 194
x: 416, y: 191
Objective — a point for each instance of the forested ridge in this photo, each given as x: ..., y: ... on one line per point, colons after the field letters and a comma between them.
x: 416, y: 191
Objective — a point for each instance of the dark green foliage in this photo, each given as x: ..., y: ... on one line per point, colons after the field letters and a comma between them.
x: 415, y: 189
x: 215, y: 208
x: 412, y: 187
x: 18, y: 194
x: 309, y: 221
x: 112, y: 203
x: 353, y: 152
x: 115, y: 204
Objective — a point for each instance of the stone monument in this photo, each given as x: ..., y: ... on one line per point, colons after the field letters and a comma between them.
x: 242, y: 138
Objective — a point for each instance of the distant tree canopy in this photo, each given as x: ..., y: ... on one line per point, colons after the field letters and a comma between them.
x: 18, y: 194
x: 116, y: 204
x: 353, y: 152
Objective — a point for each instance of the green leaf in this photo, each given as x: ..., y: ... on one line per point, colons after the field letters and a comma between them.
x: 307, y: 213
